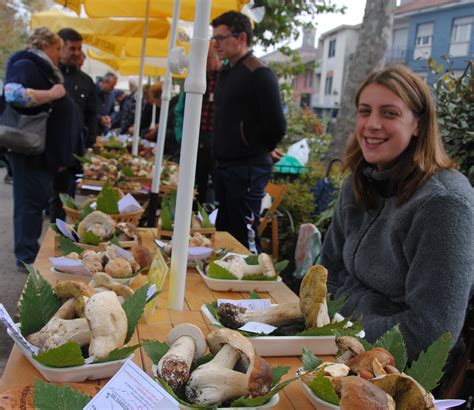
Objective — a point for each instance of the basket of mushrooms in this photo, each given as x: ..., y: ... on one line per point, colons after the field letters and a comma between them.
x: 76, y: 331
x: 377, y: 376
x: 231, y: 375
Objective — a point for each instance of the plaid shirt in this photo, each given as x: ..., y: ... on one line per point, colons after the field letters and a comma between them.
x: 207, y: 113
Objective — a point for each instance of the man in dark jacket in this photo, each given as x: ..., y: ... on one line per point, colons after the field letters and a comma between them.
x: 249, y: 123
x: 105, y: 102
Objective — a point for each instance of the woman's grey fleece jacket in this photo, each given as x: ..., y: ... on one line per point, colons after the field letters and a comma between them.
x: 410, y: 265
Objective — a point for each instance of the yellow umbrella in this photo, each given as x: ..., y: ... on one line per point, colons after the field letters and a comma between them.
x: 56, y: 20
x: 131, y: 65
x: 137, y: 8
x: 117, y: 37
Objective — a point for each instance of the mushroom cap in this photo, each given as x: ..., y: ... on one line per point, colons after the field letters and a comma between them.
x: 192, y: 331
x: 350, y: 343
x: 118, y: 268
x: 142, y: 255
x: 99, y: 223
x: 131, y: 231
x: 70, y: 288
x: 365, y: 360
x: 313, y: 293
x: 266, y: 263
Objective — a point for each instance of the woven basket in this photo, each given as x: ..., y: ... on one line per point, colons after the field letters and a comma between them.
x: 130, y: 217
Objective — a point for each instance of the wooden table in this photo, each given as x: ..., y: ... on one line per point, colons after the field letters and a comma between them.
x: 19, y: 372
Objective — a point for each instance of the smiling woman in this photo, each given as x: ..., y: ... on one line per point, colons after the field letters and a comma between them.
x: 400, y: 245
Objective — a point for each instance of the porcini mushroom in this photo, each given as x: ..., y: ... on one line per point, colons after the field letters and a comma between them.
x: 363, y: 363
x: 128, y: 232
x: 100, y: 224
x: 313, y: 292
x: 349, y: 347
x: 215, y: 381
x: 108, y: 323
x: 119, y: 268
x: 103, y: 280
x: 233, y: 316
x: 239, y: 268
x: 187, y: 343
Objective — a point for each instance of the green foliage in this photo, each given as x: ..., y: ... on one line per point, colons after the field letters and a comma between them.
x: 119, y: 354
x: 335, y: 305
x: 134, y: 307
x: 323, y: 388
x: 91, y: 238
x: 328, y: 330
x: 67, y: 246
x: 68, y: 201
x: 455, y: 109
x: 85, y: 211
x: 393, y: 341
x: 107, y: 200
x: 38, y: 303
x: 428, y: 368
x: 278, y: 372
x: 127, y: 171
x: 66, y: 355
x: 56, y: 397
x: 310, y: 361
x: 155, y: 349
x: 206, y: 222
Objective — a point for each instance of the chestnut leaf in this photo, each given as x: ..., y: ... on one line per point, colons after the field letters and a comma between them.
x: 55, y: 397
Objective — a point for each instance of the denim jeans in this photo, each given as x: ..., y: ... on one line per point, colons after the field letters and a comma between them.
x: 32, y: 187
x: 239, y: 191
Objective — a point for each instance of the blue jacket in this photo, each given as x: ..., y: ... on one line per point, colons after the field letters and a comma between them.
x: 63, y: 133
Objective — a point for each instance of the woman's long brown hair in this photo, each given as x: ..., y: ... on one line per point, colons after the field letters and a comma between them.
x: 425, y: 154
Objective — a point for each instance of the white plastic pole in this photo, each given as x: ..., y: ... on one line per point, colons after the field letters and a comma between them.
x: 194, y: 86
x: 153, y: 116
x: 138, y: 103
x: 165, y: 103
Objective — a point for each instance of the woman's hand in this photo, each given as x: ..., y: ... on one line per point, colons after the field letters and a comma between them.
x: 56, y: 92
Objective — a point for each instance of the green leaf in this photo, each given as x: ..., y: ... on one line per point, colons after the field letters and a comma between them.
x: 91, y: 238
x: 310, y: 360
x: 66, y: 355
x: 428, y: 368
x: 55, y: 397
x: 115, y: 241
x: 328, y: 330
x: 68, y: 201
x: 393, y: 341
x: 254, y: 295
x: 278, y: 372
x: 204, y: 359
x: 218, y: 272
x: 55, y: 228
x: 127, y: 171
x: 67, y: 246
x: 280, y: 266
x: 38, y: 303
x: 155, y: 349
x: 166, y: 214
x: 335, y: 305
x: 251, y: 260
x: 173, y: 394
x: 206, y: 222
x: 82, y: 160
x: 119, y: 354
x: 107, y: 200
x: 323, y: 388
x: 134, y: 307
x: 85, y: 211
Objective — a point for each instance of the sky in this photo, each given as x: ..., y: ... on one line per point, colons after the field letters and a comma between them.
x: 325, y: 22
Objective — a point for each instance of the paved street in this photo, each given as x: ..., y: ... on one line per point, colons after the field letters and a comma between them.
x: 12, y: 281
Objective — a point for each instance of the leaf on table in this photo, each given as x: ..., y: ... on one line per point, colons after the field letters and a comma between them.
x: 260, y: 276
x: 278, y: 372
x: 67, y: 246
x: 254, y: 295
x: 206, y: 222
x: 107, y: 200
x: 155, y: 349
x: 119, y: 354
x: 68, y: 201
x: 91, y: 238
x: 280, y: 266
x: 85, y: 211
x: 251, y: 260
x: 335, y: 305
x: 115, y: 241
x: 127, y: 171
x: 38, y: 303
x: 66, y: 355
x: 428, y: 368
x: 322, y: 387
x: 393, y: 341
x: 56, y: 397
x: 328, y: 330
x: 134, y: 307
x: 218, y: 272
x: 310, y: 360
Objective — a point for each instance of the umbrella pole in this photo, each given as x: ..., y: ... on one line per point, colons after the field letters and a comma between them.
x: 194, y: 86
x: 163, y: 122
x: 138, y: 103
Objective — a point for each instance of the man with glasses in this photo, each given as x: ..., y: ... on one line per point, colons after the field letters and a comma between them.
x: 248, y: 124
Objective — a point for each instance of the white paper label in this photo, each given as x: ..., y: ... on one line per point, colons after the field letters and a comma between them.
x: 131, y: 388
x: 257, y: 327
x: 161, y: 244
x: 91, y: 187
x: 8, y: 322
x: 122, y: 252
x: 151, y: 292
x: 213, y: 216
x: 128, y: 204
x: 68, y: 265
x: 64, y: 229
x: 249, y: 304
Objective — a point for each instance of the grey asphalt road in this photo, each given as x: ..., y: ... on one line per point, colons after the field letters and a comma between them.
x: 11, y: 280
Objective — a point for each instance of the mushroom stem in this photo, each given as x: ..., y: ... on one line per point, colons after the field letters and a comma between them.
x: 233, y: 316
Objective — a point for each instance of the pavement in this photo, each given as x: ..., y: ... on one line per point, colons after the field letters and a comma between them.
x: 11, y: 280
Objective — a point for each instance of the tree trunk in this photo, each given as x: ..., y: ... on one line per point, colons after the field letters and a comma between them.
x: 368, y: 57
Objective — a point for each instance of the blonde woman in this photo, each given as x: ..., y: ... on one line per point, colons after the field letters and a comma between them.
x: 401, y: 245
x: 33, y: 83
